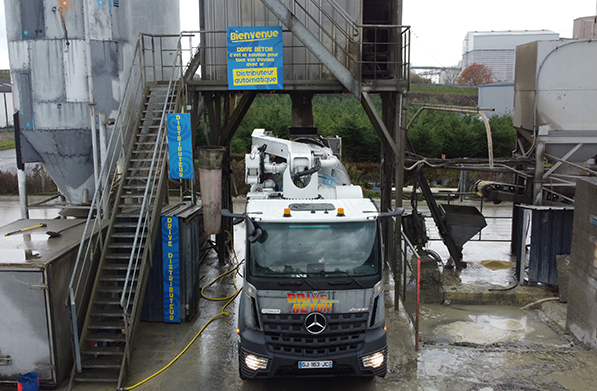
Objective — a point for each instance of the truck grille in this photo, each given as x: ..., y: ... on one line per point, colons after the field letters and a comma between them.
x: 286, y: 334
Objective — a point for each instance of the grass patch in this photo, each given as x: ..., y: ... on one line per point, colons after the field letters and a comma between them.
x: 7, y: 144
x: 7, y: 139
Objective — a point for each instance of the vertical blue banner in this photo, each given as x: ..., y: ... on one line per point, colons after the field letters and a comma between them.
x: 255, y: 58
x: 180, y: 146
x: 171, y: 268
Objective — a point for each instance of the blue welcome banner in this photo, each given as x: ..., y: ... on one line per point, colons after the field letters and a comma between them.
x: 255, y: 58
x: 180, y: 146
x: 171, y: 268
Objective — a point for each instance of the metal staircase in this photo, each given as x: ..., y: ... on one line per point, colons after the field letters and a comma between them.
x: 124, y: 216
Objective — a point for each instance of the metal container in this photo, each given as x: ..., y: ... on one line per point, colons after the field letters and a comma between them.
x: 463, y: 222
x: 210, y: 179
x: 192, y: 240
x: 554, y: 91
x: 550, y: 235
x: 53, y: 47
x: 36, y: 334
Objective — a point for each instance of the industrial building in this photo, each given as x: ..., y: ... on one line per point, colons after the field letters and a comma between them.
x: 497, y: 49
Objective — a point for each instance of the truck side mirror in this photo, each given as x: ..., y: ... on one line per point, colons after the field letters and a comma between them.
x: 238, y: 218
x: 254, y: 230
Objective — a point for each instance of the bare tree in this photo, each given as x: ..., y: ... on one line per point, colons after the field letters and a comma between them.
x: 450, y: 75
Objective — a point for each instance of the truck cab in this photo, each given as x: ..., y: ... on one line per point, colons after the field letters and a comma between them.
x: 312, y: 303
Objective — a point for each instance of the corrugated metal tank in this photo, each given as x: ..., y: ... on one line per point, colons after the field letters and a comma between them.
x: 48, y: 62
x: 555, y: 93
x: 299, y: 62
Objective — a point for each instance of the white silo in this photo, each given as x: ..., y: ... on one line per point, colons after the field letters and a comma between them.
x: 54, y: 46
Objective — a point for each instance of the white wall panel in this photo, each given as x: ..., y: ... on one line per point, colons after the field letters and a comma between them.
x: 47, y: 74
x: 75, y: 72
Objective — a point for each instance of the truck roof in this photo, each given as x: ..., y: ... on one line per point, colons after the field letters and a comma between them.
x: 310, y: 210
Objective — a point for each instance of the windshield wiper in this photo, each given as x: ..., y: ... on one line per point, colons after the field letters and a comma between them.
x: 291, y: 282
x: 344, y: 272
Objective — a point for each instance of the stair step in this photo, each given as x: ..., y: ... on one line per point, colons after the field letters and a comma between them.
x: 114, y: 278
x: 113, y: 289
x: 139, y: 160
x: 108, y: 312
x: 127, y: 235
x: 102, y: 362
x: 142, y: 168
x: 129, y: 187
x: 118, y: 257
x: 132, y: 196
x: 130, y: 210
x: 125, y: 225
x: 117, y: 275
x: 123, y: 245
x: 105, y: 325
x: 105, y: 337
x: 98, y: 376
x: 107, y: 301
x: 117, y: 267
x: 146, y: 134
x: 143, y: 151
x: 110, y: 298
x: 104, y: 350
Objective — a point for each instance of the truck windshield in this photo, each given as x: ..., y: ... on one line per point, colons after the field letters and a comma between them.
x: 319, y: 250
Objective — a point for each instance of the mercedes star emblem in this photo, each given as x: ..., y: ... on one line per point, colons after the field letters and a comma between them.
x: 315, y: 323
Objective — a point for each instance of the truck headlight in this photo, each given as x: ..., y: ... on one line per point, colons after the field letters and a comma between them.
x: 254, y: 362
x: 374, y: 360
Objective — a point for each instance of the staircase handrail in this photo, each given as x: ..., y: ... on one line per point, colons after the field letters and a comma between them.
x: 153, y: 176
x: 110, y: 174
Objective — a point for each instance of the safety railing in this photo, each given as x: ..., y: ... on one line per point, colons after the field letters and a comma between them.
x: 372, y: 53
x: 155, y: 59
x: 405, y: 264
x: 409, y: 287
x: 158, y: 157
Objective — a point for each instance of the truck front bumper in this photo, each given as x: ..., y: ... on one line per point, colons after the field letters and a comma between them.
x: 258, y: 360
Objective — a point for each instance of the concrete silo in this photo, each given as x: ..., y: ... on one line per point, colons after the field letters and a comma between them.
x: 68, y: 60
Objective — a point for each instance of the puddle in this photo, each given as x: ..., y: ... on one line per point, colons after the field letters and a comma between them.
x: 497, y: 265
x: 484, y: 325
x: 497, y: 330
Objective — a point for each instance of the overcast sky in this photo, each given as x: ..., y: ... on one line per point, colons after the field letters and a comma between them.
x: 439, y: 26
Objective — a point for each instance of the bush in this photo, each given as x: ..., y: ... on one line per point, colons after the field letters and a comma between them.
x: 37, y: 181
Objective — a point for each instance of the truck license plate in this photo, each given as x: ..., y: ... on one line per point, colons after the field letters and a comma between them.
x: 314, y: 364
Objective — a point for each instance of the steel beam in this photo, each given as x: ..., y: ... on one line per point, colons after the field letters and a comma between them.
x: 311, y: 42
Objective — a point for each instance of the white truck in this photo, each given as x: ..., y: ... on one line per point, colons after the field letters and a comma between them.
x: 312, y: 303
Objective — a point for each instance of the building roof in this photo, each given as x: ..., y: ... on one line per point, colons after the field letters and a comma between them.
x: 504, y: 40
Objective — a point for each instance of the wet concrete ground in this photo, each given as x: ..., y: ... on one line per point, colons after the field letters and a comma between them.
x: 462, y: 347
